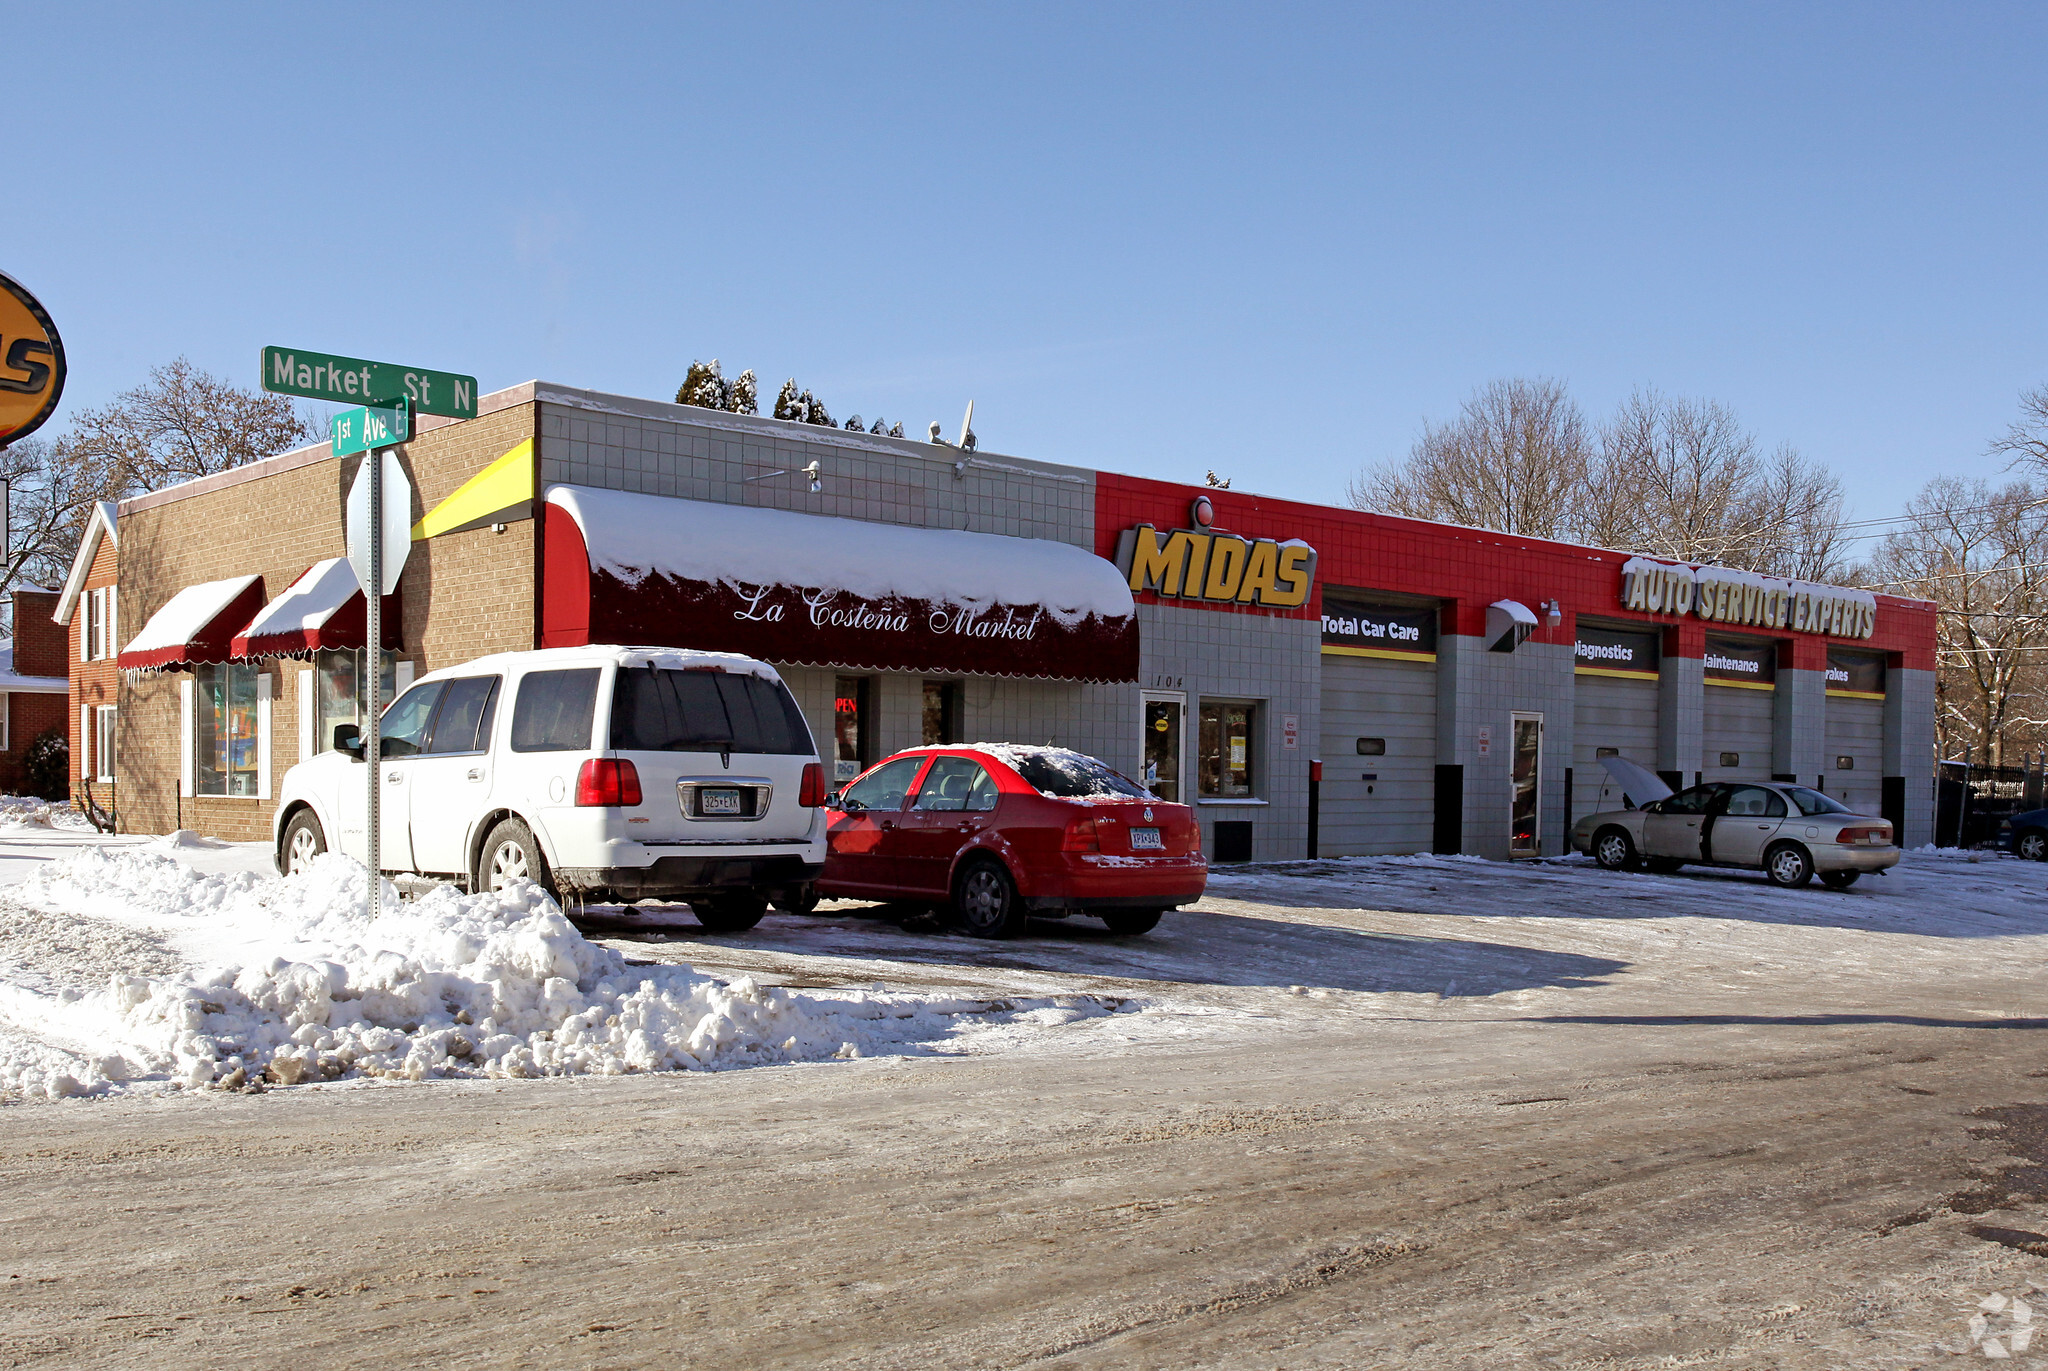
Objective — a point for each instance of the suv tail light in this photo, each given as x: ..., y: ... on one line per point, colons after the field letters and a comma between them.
x: 609, y: 781
x: 1081, y: 836
x: 1864, y: 835
x: 811, y: 794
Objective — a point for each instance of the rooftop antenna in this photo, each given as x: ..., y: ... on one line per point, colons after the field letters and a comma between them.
x: 967, y: 429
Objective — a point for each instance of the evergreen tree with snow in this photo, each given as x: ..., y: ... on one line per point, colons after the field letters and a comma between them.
x: 878, y: 426
x: 702, y: 386
x: 816, y: 413
x: 744, y: 391
x: 896, y: 429
x: 854, y: 425
x: 789, y: 404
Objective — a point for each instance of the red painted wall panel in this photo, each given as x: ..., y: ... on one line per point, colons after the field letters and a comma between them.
x: 1469, y: 567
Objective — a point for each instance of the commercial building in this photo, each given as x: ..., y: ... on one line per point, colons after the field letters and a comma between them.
x: 1456, y: 686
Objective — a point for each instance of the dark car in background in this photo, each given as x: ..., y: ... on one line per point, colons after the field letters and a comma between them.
x: 2026, y: 835
x: 999, y: 832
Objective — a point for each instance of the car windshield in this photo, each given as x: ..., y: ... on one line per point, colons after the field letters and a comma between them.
x: 1812, y: 802
x: 1068, y: 775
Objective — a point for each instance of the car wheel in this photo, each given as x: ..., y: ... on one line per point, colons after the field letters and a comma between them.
x: 729, y: 913
x: 1614, y: 849
x: 2033, y: 845
x: 303, y: 841
x: 800, y: 899
x: 986, y: 901
x: 1125, y: 922
x: 1663, y: 866
x: 1839, y: 880
x: 512, y: 853
x: 1788, y: 865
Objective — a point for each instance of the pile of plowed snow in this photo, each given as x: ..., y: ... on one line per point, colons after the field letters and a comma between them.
x: 499, y: 984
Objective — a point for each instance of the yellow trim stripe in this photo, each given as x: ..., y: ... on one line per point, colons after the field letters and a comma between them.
x: 1857, y: 694
x: 1742, y: 685
x: 1614, y: 672
x: 1335, y: 650
x: 494, y: 490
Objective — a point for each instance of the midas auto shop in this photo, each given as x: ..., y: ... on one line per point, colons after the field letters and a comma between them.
x: 1309, y: 678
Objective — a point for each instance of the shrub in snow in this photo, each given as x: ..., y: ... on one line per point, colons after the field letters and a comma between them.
x: 801, y: 406
x: 706, y: 387
x: 491, y: 984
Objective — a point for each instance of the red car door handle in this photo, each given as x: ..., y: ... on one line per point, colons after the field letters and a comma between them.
x: 888, y: 825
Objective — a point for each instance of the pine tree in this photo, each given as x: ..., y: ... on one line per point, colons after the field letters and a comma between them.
x: 854, y: 425
x: 816, y: 413
x: 705, y: 387
x: 744, y: 391
x: 878, y: 428
x: 896, y: 430
x: 791, y: 405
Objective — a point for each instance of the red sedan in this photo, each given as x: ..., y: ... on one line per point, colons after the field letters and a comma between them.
x: 1002, y: 832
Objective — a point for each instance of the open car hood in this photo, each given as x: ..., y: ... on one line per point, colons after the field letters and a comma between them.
x: 1638, y: 782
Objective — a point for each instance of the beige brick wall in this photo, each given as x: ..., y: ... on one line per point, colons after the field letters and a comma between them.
x: 464, y: 595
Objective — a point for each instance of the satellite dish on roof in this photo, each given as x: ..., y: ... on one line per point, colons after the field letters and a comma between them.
x: 967, y: 429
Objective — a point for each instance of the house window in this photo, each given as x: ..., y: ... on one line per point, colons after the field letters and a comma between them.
x: 338, y: 694
x: 97, y: 635
x: 852, y: 726
x: 224, y: 740
x: 1226, y: 751
x: 103, y: 742
x: 941, y: 712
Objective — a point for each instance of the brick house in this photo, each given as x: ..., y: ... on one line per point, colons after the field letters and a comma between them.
x: 32, y: 685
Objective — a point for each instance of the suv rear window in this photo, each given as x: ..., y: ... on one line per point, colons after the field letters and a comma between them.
x: 664, y: 710
x: 554, y: 711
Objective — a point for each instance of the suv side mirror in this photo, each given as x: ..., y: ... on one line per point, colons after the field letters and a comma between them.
x: 349, y: 738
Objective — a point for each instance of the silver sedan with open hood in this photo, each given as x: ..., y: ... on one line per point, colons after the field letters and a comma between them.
x: 1791, y: 833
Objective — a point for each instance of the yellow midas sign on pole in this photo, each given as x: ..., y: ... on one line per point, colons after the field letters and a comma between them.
x: 31, y: 362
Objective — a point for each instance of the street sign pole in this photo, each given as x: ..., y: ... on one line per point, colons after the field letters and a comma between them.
x: 374, y: 650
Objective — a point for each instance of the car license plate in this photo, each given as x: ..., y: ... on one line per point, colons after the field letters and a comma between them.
x: 1146, y: 838
x: 718, y: 802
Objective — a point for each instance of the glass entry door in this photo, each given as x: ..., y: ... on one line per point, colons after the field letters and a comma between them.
x: 1165, y: 719
x: 1525, y: 824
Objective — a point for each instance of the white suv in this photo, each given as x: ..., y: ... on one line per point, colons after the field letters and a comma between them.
x: 604, y: 773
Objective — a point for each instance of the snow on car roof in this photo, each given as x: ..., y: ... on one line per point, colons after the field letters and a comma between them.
x: 663, y: 658
x: 633, y: 536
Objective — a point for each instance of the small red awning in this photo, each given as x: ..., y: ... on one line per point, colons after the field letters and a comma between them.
x: 324, y: 608
x: 196, y: 625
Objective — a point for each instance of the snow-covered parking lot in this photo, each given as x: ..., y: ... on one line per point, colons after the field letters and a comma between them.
x: 1364, y: 1112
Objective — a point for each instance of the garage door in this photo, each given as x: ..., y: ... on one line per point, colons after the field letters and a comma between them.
x: 1614, y: 713
x: 1855, y: 732
x: 1382, y: 799
x: 1735, y: 736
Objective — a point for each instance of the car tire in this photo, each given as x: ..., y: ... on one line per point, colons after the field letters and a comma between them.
x: 729, y: 913
x: 1663, y: 866
x: 1614, y: 849
x: 986, y: 903
x: 1788, y: 865
x: 802, y: 899
x: 2032, y: 845
x: 304, y: 840
x: 1129, y: 922
x: 510, y: 852
x: 1839, y: 880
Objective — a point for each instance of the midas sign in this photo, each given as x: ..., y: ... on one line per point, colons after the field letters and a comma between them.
x: 1219, y: 567
x: 1722, y: 596
x: 31, y: 362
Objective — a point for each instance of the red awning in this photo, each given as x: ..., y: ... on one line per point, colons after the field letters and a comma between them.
x: 196, y: 625
x: 812, y: 590
x: 324, y: 608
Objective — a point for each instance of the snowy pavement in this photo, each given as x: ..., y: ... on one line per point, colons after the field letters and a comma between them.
x: 142, y: 964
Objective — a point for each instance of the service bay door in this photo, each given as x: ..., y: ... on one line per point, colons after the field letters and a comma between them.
x: 1379, y: 756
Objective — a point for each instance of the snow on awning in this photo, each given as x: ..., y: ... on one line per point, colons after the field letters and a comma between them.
x: 196, y: 625
x: 622, y: 567
x: 324, y: 608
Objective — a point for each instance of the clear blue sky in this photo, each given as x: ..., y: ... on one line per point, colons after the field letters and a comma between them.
x: 1268, y: 240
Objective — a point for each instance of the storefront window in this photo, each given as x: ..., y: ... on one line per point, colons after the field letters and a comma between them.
x: 1162, y: 748
x: 337, y: 681
x: 224, y: 729
x: 1226, y: 751
x: 941, y: 712
x: 851, y: 728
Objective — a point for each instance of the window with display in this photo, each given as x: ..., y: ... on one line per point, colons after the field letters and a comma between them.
x: 1226, y: 751
x: 851, y: 727
x: 338, y: 692
x: 224, y: 729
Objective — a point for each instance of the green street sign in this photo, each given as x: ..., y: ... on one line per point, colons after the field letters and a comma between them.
x: 318, y: 376
x: 368, y: 426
